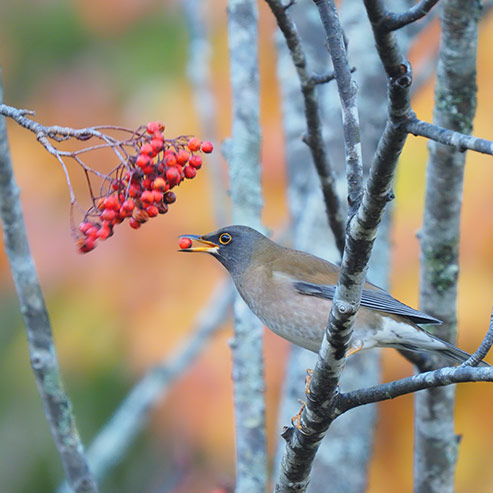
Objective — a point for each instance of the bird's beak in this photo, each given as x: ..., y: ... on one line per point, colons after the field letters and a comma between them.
x: 209, y: 247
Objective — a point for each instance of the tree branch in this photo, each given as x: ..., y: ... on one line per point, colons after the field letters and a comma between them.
x: 394, y: 21
x: 313, y: 138
x: 42, y: 351
x: 483, y: 349
x: 347, y: 94
x: 460, y: 141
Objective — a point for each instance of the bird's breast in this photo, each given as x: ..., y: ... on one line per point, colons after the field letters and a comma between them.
x: 298, y: 318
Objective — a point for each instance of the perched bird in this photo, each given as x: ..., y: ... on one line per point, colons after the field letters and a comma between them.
x: 291, y: 293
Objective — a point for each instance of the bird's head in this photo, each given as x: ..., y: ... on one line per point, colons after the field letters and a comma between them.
x: 233, y: 246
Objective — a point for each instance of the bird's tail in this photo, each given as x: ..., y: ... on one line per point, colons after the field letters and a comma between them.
x: 443, y: 348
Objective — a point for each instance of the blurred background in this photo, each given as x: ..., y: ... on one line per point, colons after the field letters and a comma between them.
x: 119, y: 309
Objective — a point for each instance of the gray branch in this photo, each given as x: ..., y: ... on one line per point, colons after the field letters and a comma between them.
x: 347, y: 95
x: 42, y: 351
x: 393, y: 21
x: 243, y: 154
x: 459, y: 141
x: 313, y: 138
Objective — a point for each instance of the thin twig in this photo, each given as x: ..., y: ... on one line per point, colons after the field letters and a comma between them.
x: 313, y: 138
x: 460, y: 141
x: 347, y: 95
x: 484, y: 347
x: 408, y: 385
x: 56, y: 404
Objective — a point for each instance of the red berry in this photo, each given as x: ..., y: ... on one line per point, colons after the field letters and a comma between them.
x: 104, y: 232
x: 134, y: 191
x: 86, y: 244
x: 182, y: 157
x: 170, y: 197
x: 194, y: 144
x: 128, y: 205
x: 152, y: 210
x: 195, y: 161
x: 171, y: 160
x: 148, y: 169
x: 108, y: 215
x: 134, y: 223
x: 157, y: 145
x: 147, y: 183
x: 147, y: 197
x: 93, y: 231
x: 85, y: 226
x: 207, y: 147
x: 185, y: 243
x: 111, y: 202
x: 173, y: 176
x: 159, y: 184
x: 157, y: 195
x: 190, y: 172
x: 143, y: 160
x: 147, y: 149
x: 153, y: 127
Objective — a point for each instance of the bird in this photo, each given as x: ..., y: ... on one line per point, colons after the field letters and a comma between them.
x: 291, y: 292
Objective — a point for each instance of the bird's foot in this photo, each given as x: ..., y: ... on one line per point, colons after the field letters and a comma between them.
x: 296, y: 420
x: 308, y: 380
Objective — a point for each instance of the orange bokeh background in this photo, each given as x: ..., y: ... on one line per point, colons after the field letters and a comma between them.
x: 118, y: 310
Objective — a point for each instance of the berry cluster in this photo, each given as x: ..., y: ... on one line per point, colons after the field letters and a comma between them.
x: 141, y: 186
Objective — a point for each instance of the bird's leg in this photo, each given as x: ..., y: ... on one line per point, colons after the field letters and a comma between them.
x: 308, y: 379
x: 356, y: 346
x: 296, y: 420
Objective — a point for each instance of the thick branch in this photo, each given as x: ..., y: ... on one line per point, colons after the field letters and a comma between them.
x: 42, y: 351
x: 318, y: 414
x: 314, y: 138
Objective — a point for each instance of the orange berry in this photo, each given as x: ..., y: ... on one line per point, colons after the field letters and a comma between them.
x: 194, y: 144
x: 159, y: 184
x: 207, y: 147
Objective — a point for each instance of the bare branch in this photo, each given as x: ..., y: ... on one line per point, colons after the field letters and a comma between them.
x: 483, y: 349
x: 314, y: 138
x: 56, y: 404
x: 347, y: 94
x: 460, y: 141
x: 432, y: 379
x: 393, y: 21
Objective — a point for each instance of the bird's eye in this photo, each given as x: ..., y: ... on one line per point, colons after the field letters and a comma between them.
x: 225, y: 238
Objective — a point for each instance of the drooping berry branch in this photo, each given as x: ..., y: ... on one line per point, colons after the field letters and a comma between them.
x: 139, y: 186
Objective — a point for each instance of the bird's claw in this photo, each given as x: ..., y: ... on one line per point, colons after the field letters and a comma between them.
x: 296, y: 420
x: 308, y: 380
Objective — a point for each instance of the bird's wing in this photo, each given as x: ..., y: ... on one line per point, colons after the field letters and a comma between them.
x: 372, y: 298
